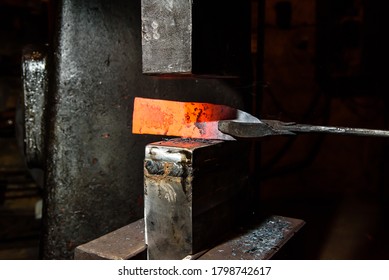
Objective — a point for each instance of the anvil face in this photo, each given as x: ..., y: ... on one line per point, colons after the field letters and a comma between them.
x: 194, y: 194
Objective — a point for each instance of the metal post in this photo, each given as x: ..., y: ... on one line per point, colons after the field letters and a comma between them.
x: 195, y: 192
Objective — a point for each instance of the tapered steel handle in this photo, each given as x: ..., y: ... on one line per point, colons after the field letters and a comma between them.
x: 275, y: 127
x: 305, y: 128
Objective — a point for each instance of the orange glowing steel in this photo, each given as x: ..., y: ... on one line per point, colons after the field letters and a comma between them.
x: 184, y: 119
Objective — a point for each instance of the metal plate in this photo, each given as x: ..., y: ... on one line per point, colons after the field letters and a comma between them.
x: 125, y: 243
x: 256, y: 243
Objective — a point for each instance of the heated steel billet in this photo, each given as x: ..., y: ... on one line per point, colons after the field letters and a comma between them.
x: 195, y: 191
x: 195, y: 37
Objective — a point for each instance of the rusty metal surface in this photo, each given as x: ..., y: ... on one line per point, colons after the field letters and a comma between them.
x: 34, y: 66
x: 93, y: 164
x: 257, y: 243
x: 125, y: 243
x: 195, y: 37
x: 190, y: 187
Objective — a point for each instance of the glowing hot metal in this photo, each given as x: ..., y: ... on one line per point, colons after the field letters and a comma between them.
x: 184, y: 119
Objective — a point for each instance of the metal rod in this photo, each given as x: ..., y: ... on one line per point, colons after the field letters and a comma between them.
x: 275, y: 127
x: 337, y: 130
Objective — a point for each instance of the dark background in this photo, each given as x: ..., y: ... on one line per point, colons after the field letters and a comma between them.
x: 324, y: 63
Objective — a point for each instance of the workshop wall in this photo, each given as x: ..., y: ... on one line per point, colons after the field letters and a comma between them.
x: 321, y: 67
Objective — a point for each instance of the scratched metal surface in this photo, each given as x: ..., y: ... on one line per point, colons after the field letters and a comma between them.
x: 35, y: 86
x: 167, y: 36
x: 256, y: 243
